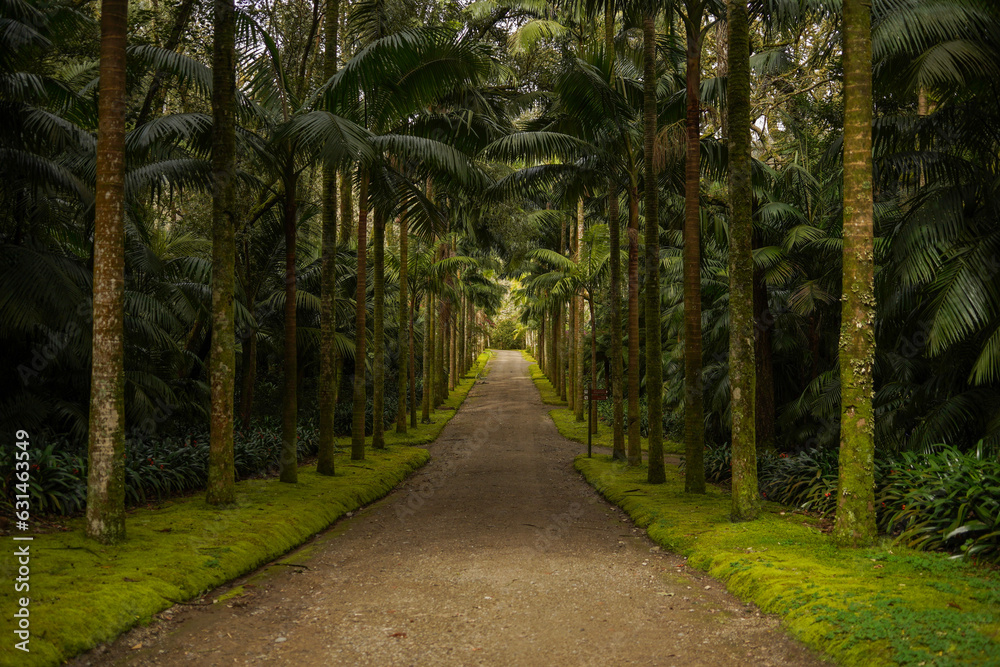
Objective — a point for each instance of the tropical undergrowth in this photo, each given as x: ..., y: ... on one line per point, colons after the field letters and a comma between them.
x: 940, y: 500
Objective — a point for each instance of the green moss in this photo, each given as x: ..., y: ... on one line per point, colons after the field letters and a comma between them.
x: 566, y: 422
x: 83, y: 593
x: 879, y: 606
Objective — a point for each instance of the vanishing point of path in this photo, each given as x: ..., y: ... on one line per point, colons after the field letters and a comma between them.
x: 495, y: 553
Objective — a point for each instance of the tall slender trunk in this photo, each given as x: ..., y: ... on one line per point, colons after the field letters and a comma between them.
x: 221, y: 484
x: 463, y: 306
x: 855, y: 522
x: 694, y: 424
x: 106, y: 431
x: 578, y: 319
x: 378, y: 334
x: 289, y: 398
x: 654, y: 365
x: 328, y: 353
x: 413, y: 367
x: 565, y: 352
x: 360, y: 398
x: 404, y: 328
x: 617, y: 367
x: 742, y: 367
x: 593, y: 364
x: 540, y: 356
x: 428, y: 360
x: 634, y: 418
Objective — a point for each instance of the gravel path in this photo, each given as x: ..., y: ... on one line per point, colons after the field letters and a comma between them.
x: 495, y: 553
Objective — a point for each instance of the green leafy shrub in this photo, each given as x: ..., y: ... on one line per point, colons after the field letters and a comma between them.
x: 944, y: 500
x: 155, y: 468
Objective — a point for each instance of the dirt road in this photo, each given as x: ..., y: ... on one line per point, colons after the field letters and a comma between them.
x: 496, y: 553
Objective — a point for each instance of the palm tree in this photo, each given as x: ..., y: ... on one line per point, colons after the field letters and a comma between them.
x: 654, y: 364
x: 221, y: 468
x: 855, y: 523
x: 328, y: 357
x: 741, y: 273
x: 106, y: 469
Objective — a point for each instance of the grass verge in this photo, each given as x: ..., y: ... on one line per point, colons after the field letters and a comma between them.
x: 886, y: 605
x: 566, y: 421
x: 83, y: 594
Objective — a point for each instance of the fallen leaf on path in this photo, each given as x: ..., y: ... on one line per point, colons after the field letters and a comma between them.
x: 398, y: 634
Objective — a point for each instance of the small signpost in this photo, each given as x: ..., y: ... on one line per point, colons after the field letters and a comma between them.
x: 590, y: 395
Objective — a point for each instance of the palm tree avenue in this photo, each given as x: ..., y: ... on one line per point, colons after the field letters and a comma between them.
x: 747, y: 251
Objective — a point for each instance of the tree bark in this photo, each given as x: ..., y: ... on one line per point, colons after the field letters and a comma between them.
x: 106, y: 431
x: 654, y: 366
x: 578, y: 317
x: 413, y: 366
x: 694, y: 423
x: 221, y: 483
x: 403, y: 328
x: 360, y: 398
x: 742, y: 379
x: 328, y: 354
x: 378, y: 334
x: 617, y: 368
x: 289, y: 400
x: 634, y: 418
x: 428, y: 360
x: 855, y: 521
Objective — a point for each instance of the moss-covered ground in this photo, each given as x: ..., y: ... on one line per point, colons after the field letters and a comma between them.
x: 83, y: 594
x: 886, y: 605
x: 566, y: 421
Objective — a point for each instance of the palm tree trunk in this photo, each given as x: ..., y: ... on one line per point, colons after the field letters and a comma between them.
x: 289, y: 399
x: 463, y: 306
x: 328, y: 353
x: 694, y: 425
x: 360, y: 398
x: 593, y: 364
x: 855, y: 522
x: 634, y: 419
x: 106, y: 432
x: 378, y: 334
x: 742, y: 378
x: 428, y: 360
x: 578, y: 320
x: 404, y: 327
x: 617, y: 368
x: 654, y: 365
x: 221, y: 484
x: 413, y: 367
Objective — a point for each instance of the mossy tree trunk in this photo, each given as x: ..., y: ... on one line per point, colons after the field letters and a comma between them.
x: 742, y: 367
x: 328, y: 289
x: 360, y: 395
x: 654, y: 366
x: 634, y: 419
x: 378, y: 333
x: 106, y: 430
x: 404, y: 327
x: 289, y: 398
x: 694, y: 424
x: 221, y: 483
x: 855, y: 521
